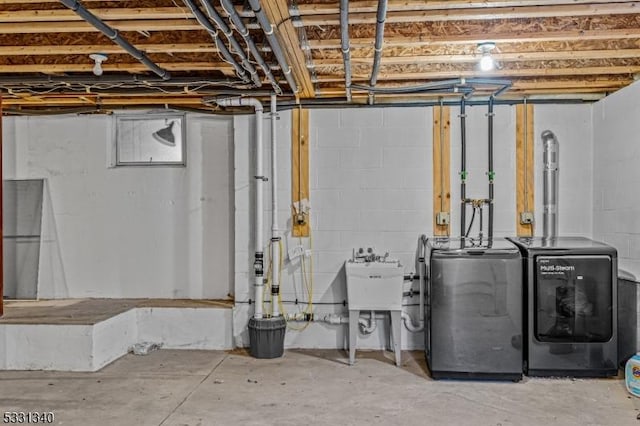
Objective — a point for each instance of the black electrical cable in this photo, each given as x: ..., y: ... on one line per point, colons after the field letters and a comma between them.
x: 473, y: 216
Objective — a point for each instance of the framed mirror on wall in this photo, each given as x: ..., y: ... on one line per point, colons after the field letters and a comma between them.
x: 150, y: 139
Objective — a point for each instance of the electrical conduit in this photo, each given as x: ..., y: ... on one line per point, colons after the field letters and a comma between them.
x: 115, y: 37
x: 381, y: 16
x: 269, y: 31
x: 344, y: 45
x: 258, y: 263
x: 246, y: 64
x: 244, y: 32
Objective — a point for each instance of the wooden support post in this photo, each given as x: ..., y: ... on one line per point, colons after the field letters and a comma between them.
x: 1, y: 221
x: 524, y: 170
x: 300, y: 170
x: 441, y: 168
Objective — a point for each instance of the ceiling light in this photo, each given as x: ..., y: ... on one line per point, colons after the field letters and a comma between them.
x: 487, y: 63
x: 99, y: 58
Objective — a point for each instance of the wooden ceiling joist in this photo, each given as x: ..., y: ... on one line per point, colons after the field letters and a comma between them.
x: 502, y: 57
x: 526, y: 72
x: 444, y: 15
x: 120, y: 67
x: 474, y: 38
x: 81, y: 26
x: 106, y: 14
x: 371, y: 6
x: 104, y: 48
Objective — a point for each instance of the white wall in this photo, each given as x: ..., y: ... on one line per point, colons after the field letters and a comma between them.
x: 128, y: 231
x: 371, y: 185
x: 617, y: 175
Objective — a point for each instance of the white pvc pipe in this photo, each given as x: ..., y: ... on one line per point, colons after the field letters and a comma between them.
x: 550, y: 185
x: 275, y: 232
x: 258, y: 263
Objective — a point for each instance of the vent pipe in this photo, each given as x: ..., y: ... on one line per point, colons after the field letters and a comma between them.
x: 550, y: 185
x: 105, y: 29
x: 258, y: 262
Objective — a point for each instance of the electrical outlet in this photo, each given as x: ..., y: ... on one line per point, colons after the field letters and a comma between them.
x: 526, y: 218
x: 442, y: 218
x: 295, y: 252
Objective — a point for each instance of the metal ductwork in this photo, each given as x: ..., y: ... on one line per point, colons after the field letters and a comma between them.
x: 269, y: 31
x: 235, y: 46
x: 381, y: 16
x: 224, y: 51
x: 344, y: 45
x: 115, y: 37
x: 244, y: 32
x: 550, y: 185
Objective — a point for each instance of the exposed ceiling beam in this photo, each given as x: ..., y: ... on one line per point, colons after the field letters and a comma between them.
x: 83, y: 27
x: 400, y: 5
x: 527, y: 72
x: 71, y: 49
x: 105, y: 14
x: 504, y: 57
x: 131, y: 67
x: 474, y: 37
x: 480, y: 14
x: 278, y: 13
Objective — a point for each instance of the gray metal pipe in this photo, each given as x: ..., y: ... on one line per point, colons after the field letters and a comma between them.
x: 463, y: 168
x: 381, y: 16
x: 116, y: 38
x: 490, y: 172
x: 222, y: 25
x: 244, y: 32
x: 550, y: 185
x: 344, y: 45
x: 269, y: 31
x: 224, y: 51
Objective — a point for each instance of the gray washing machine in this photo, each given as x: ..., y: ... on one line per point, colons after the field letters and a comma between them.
x: 571, y: 310
x: 474, y: 309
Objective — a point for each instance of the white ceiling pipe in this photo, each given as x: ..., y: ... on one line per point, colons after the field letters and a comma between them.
x: 275, y: 232
x: 258, y: 262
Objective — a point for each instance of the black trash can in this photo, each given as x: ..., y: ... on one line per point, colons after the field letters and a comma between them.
x: 627, y: 316
x: 266, y: 337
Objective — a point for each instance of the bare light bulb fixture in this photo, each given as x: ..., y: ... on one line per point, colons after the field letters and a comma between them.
x: 487, y: 63
x: 99, y: 58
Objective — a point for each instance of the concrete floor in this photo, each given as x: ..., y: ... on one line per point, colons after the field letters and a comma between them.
x: 304, y: 388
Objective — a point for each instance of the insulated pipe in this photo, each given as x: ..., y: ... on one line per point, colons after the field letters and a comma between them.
x: 222, y: 25
x: 244, y: 32
x: 550, y: 185
x: 381, y: 16
x: 275, y: 231
x: 269, y: 31
x: 490, y: 172
x: 224, y: 51
x: 115, y: 37
x: 344, y: 45
x: 463, y: 166
x: 258, y: 263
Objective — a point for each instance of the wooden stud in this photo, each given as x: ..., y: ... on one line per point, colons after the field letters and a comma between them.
x: 300, y: 168
x: 524, y: 168
x: 441, y: 167
x: 1, y: 220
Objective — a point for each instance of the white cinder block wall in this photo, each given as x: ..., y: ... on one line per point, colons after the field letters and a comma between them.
x: 616, y: 174
x: 122, y: 232
x: 371, y: 185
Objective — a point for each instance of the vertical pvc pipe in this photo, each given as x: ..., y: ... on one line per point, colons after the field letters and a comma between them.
x: 463, y: 167
x: 275, y: 232
x: 258, y: 262
x: 550, y: 185
x: 490, y: 172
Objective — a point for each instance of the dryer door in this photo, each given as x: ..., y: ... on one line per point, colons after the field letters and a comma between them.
x: 573, y: 299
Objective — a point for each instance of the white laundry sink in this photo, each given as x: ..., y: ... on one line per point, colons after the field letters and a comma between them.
x: 375, y: 285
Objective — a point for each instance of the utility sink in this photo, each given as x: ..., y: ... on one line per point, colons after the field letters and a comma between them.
x: 374, y: 285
